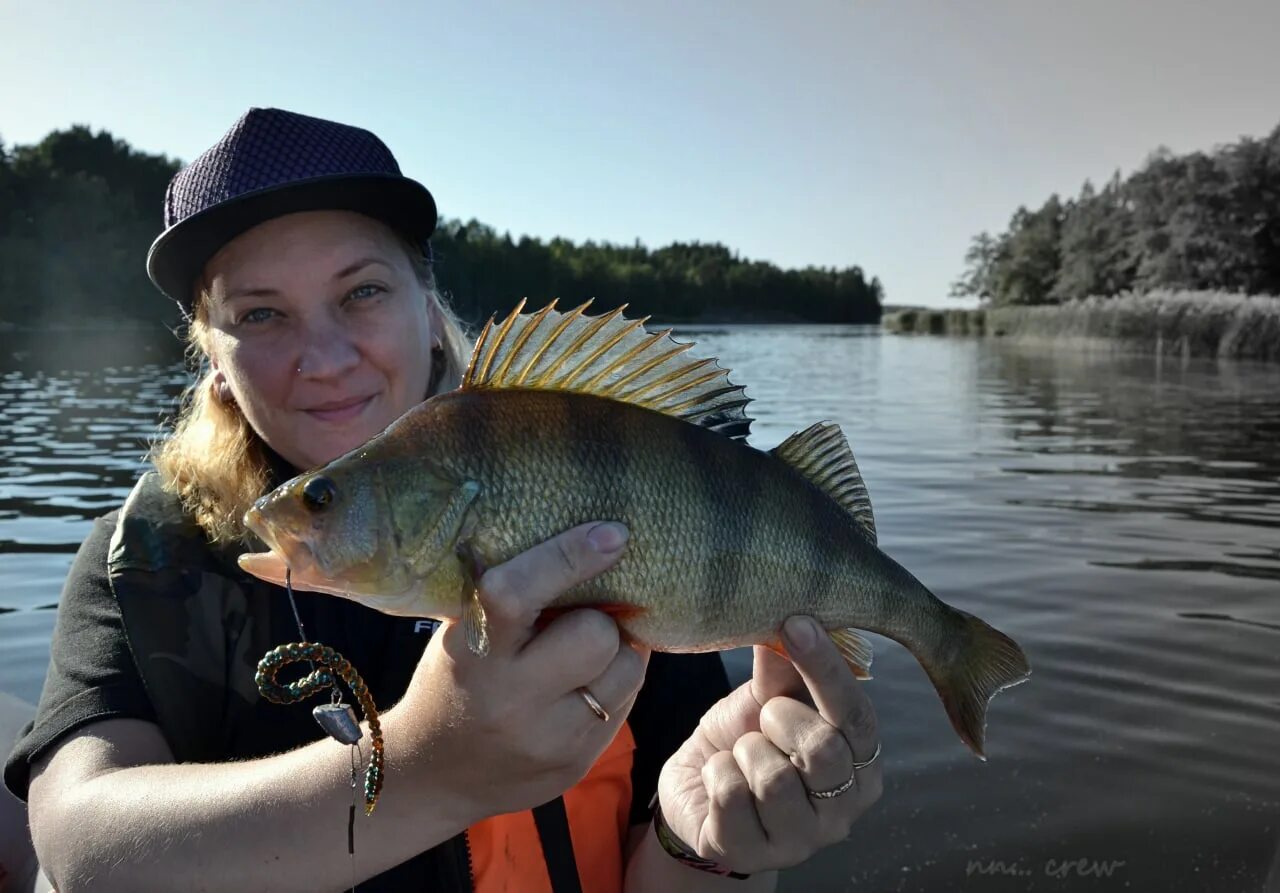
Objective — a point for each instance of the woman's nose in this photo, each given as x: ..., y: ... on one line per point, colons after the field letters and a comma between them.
x: 327, y: 352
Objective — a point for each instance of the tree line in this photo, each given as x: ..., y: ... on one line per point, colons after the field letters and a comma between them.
x: 79, y: 209
x: 1199, y: 221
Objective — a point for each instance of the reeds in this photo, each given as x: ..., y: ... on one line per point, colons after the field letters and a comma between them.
x: 1190, y: 323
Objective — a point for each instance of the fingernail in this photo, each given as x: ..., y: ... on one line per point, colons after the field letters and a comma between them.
x: 800, y: 633
x: 607, y: 537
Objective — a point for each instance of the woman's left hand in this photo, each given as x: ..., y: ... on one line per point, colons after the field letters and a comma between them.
x: 738, y: 790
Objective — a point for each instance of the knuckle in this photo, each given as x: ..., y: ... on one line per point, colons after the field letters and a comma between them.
x: 776, y: 781
x: 860, y: 721
x: 773, y: 713
x: 723, y: 782
x: 497, y: 586
x: 600, y: 626
x: 725, y: 792
x: 569, y: 562
x: 746, y: 746
x: 595, y: 638
x: 633, y: 666
x: 825, y: 746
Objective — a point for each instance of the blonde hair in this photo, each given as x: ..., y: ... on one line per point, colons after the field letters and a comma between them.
x: 215, y: 461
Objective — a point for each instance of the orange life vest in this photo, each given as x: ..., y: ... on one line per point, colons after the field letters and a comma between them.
x: 506, y: 851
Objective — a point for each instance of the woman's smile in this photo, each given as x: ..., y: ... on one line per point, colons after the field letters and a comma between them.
x: 340, y: 410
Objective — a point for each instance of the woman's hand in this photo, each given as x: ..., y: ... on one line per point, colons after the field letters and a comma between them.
x: 512, y: 727
x: 738, y: 790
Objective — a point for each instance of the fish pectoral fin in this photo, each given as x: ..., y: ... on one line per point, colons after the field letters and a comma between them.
x: 475, y: 625
x: 822, y: 454
x: 855, y: 649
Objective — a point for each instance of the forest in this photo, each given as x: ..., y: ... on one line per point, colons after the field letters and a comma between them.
x: 79, y: 209
x: 1200, y: 222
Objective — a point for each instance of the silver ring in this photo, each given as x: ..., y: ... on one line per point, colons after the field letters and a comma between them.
x: 596, y: 707
x: 836, y: 792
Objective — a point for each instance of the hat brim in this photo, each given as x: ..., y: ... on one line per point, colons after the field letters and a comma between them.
x: 179, y: 254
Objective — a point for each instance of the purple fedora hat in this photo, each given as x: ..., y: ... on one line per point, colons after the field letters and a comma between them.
x: 272, y: 162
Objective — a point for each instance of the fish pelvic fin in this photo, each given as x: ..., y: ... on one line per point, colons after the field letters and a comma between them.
x: 981, y: 661
x: 822, y: 454
x: 855, y: 649
x: 606, y: 356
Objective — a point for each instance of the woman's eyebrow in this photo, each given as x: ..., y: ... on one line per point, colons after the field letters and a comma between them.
x: 353, y: 267
x: 356, y: 266
x: 235, y: 293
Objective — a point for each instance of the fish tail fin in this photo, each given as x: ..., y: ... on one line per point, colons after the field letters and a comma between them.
x: 975, y: 665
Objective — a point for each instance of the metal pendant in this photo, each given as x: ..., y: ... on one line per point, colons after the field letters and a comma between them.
x: 339, y: 722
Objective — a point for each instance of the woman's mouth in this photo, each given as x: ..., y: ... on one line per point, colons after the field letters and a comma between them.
x: 340, y: 411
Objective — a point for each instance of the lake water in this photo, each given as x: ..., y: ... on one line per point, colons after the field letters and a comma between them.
x: 1119, y: 517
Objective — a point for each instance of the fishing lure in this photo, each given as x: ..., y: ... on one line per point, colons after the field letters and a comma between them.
x: 336, y: 718
x: 332, y: 666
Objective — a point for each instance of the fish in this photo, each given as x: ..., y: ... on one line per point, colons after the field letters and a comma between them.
x: 564, y: 418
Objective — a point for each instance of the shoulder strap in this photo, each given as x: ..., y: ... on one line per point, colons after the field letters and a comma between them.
x: 557, y: 846
x: 194, y: 630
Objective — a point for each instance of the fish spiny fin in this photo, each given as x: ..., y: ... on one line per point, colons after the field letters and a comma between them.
x: 821, y: 453
x: 855, y: 649
x: 606, y: 356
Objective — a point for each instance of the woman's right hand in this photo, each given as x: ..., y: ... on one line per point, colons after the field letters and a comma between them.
x: 510, y: 730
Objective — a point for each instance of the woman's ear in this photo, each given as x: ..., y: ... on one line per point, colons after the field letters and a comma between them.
x: 221, y: 389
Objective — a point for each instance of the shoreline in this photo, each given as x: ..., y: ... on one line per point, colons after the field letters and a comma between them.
x: 1180, y: 323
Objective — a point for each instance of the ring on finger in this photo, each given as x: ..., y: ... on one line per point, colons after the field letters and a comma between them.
x: 596, y: 707
x: 837, y: 791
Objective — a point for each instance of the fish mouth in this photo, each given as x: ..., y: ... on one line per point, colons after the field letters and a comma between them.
x: 285, y: 553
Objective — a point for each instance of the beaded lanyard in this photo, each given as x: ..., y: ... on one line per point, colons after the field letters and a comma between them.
x: 337, y: 718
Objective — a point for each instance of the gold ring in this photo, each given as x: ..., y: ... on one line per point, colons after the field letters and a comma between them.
x: 596, y: 707
x: 836, y: 792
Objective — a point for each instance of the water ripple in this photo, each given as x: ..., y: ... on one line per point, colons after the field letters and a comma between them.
x: 1117, y: 516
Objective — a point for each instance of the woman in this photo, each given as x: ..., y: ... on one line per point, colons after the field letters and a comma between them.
x: 300, y: 255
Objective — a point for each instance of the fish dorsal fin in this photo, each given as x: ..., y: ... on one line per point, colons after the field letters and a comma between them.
x: 607, y: 356
x: 821, y: 453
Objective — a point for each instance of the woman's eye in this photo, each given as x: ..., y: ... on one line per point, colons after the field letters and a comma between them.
x: 257, y: 314
x: 366, y: 291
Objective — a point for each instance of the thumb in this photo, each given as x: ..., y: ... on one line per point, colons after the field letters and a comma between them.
x: 515, y: 592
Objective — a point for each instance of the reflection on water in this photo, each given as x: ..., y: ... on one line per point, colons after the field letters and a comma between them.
x: 1119, y: 517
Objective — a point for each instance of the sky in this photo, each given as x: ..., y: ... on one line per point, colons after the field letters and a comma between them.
x: 881, y: 133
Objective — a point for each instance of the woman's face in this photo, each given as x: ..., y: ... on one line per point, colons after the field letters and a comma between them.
x: 321, y: 331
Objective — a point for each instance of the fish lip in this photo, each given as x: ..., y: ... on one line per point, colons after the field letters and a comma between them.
x: 297, y: 553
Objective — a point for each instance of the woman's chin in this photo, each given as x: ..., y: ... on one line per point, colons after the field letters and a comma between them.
x: 321, y: 444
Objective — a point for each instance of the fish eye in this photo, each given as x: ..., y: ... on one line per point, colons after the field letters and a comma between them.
x: 318, y: 493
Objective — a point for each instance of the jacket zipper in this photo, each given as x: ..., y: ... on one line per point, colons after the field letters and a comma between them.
x: 466, y: 847
x: 461, y: 872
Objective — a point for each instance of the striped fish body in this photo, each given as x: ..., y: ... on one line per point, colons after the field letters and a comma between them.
x: 564, y: 419
x: 726, y: 541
